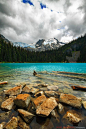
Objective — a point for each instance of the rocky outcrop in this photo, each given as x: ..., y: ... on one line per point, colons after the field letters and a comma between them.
x: 46, y: 107
x: 7, y: 104
x: 27, y: 116
x: 22, y: 100
x: 70, y: 100
x: 12, y: 124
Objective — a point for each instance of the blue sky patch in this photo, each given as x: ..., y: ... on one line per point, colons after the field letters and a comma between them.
x: 42, y: 6
x: 28, y: 1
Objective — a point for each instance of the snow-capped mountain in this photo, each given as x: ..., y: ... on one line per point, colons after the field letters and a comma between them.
x: 50, y: 44
x: 20, y: 44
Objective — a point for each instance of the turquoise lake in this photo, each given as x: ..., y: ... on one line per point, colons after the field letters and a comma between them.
x: 62, y: 75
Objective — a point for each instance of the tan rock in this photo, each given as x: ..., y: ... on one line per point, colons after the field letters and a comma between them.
x: 34, y: 90
x: 2, y: 125
x: 72, y: 116
x: 22, y: 100
x: 12, y: 124
x: 39, y: 100
x: 46, y: 107
x: 7, y: 104
x: 39, y: 93
x: 22, y: 124
x: 52, y: 88
x: 70, y: 100
x: 84, y: 104
x: 26, y: 89
x: 27, y: 116
x: 13, y: 91
x: 50, y: 93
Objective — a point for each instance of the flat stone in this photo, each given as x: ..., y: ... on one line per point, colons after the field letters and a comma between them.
x: 13, y: 91
x: 27, y: 116
x: 46, y: 107
x: 52, y: 88
x: 26, y: 89
x: 34, y: 90
x: 22, y: 100
x: 39, y: 93
x: 12, y: 124
x: 38, y: 101
x: 22, y: 124
x: 7, y: 104
x: 72, y: 116
x: 70, y: 100
x: 84, y: 104
x: 43, y: 85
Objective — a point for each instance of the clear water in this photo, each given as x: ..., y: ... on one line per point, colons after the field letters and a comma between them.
x: 16, y: 73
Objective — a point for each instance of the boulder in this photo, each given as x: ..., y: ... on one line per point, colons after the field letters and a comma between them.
x: 22, y: 124
x: 27, y: 116
x: 70, y: 100
x: 34, y: 90
x: 72, y: 116
x: 52, y: 88
x: 39, y: 93
x: 12, y: 124
x: 39, y: 100
x: 7, y: 104
x: 34, y: 73
x: 13, y: 91
x: 46, y: 107
x: 84, y: 104
x: 22, y: 100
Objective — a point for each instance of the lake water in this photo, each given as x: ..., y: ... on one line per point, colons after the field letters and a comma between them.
x: 63, y: 75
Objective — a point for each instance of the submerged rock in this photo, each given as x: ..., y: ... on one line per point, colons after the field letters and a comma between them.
x: 22, y: 100
x: 84, y: 104
x: 72, y: 116
x: 22, y: 124
x: 60, y: 108
x: 4, y: 116
x: 7, y: 104
x: 26, y: 89
x: 38, y: 101
x: 27, y: 116
x: 55, y: 115
x: 13, y: 91
x: 46, y: 107
x: 12, y: 124
x: 50, y: 93
x: 52, y: 88
x: 70, y: 100
x: 34, y: 90
x: 39, y: 93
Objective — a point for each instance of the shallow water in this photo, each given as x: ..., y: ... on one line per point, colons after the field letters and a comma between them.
x: 48, y: 73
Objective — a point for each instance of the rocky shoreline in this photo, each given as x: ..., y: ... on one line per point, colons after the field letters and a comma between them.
x: 41, y: 101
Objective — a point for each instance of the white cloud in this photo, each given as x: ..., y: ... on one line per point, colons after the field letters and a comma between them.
x: 25, y: 23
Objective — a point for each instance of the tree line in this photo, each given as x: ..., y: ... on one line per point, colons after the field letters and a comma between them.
x: 10, y: 53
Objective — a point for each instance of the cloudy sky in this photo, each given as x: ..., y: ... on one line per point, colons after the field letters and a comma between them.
x: 30, y: 20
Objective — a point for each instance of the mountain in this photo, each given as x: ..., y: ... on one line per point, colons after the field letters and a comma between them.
x: 50, y: 44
